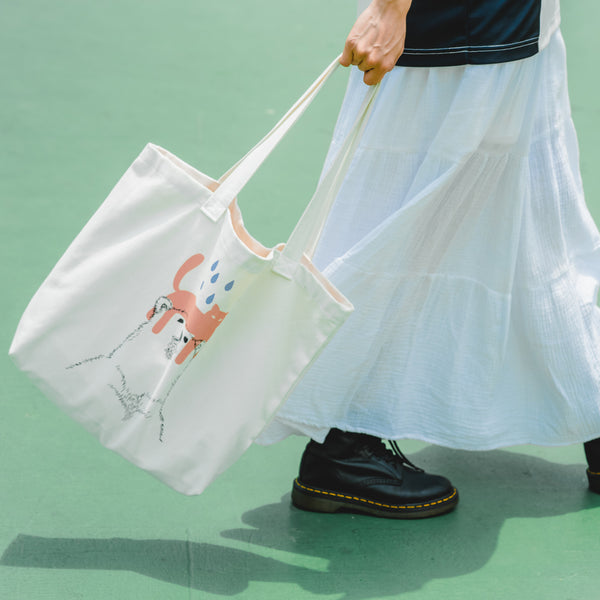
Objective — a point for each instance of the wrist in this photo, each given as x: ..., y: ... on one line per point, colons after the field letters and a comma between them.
x: 401, y: 6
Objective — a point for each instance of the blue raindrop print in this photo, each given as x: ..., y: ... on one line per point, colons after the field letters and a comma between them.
x: 214, y: 278
x: 229, y: 285
x: 210, y: 299
x: 214, y: 265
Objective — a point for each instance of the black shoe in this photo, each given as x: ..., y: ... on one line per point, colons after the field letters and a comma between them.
x: 592, y: 454
x: 356, y: 472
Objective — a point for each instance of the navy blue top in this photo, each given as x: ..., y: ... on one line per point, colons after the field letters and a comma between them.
x: 458, y: 32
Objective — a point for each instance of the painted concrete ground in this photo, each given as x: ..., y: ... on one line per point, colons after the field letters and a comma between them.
x: 84, y: 86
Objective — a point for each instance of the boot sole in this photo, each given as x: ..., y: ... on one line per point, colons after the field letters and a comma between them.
x: 594, y: 481
x: 323, y: 501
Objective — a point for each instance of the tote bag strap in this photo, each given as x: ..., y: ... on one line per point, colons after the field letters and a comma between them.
x: 232, y: 182
x: 306, y: 234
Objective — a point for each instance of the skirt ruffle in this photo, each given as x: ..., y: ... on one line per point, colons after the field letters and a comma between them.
x: 462, y: 237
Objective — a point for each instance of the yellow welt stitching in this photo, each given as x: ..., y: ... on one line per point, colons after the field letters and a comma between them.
x: 593, y: 473
x: 393, y: 506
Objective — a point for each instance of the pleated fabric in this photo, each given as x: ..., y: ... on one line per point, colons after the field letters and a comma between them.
x: 462, y: 237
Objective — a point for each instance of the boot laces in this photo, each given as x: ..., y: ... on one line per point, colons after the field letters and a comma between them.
x: 399, y: 454
x: 392, y: 454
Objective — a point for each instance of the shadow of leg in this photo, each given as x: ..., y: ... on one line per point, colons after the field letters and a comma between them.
x: 402, y: 556
x: 206, y: 567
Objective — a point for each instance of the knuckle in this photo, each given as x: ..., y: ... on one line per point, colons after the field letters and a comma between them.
x: 388, y: 65
x: 352, y: 42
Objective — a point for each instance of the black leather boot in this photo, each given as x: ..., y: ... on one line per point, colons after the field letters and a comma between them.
x: 592, y: 454
x: 356, y: 472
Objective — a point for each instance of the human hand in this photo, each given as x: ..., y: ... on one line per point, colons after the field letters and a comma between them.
x: 377, y: 39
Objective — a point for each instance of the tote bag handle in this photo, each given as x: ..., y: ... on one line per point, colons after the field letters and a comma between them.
x: 307, y: 232
x: 233, y: 181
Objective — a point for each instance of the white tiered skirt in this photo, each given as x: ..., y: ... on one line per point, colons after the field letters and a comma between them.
x: 462, y: 237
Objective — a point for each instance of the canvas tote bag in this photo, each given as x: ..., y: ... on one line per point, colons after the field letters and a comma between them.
x: 167, y: 330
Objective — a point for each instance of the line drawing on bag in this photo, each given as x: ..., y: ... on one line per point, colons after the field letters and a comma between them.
x: 176, y: 329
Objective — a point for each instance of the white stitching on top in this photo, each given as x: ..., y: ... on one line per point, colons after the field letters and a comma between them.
x: 460, y: 49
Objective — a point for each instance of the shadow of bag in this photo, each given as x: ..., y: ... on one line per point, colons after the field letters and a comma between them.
x: 167, y: 330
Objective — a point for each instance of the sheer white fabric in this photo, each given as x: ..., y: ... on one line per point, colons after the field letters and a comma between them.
x: 549, y: 21
x: 462, y: 237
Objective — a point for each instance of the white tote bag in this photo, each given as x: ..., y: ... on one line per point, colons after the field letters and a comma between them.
x: 167, y: 330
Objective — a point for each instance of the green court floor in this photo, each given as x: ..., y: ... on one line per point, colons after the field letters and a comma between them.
x: 84, y: 86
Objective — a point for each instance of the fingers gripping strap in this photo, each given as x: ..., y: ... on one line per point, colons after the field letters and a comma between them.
x: 232, y: 182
